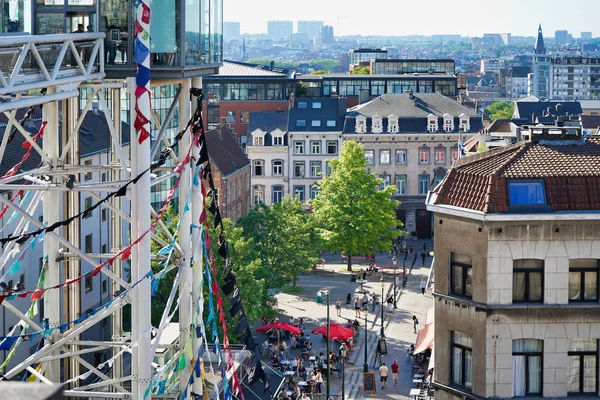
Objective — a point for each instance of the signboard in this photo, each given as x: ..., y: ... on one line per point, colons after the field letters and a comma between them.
x: 369, y: 382
x: 382, y: 347
x: 81, y: 2
x: 50, y: 23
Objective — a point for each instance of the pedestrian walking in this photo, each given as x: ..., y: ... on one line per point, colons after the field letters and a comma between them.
x: 423, y: 286
x: 390, y: 302
x: 365, y: 301
x: 425, y: 246
x: 338, y: 307
x: 415, y: 323
x: 383, y: 375
x: 395, y: 370
x: 319, y: 380
x: 409, y: 352
x: 423, y: 256
x: 357, y: 306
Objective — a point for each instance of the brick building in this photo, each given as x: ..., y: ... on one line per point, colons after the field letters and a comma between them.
x: 516, y: 297
x: 231, y: 173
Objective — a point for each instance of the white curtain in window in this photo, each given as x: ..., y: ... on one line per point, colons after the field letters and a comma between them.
x: 573, y: 375
x: 535, y: 285
x: 468, y: 369
x: 535, y: 374
x: 457, y: 366
x: 518, y: 376
x: 589, y: 374
x: 518, y: 286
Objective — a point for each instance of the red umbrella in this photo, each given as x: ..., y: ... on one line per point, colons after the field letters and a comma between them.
x: 336, y: 331
x: 280, y: 325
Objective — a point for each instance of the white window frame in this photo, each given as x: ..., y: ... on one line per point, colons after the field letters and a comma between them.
x: 256, y: 163
x: 299, y: 147
x: 401, y: 185
x: 382, y: 157
x: 371, y: 160
x: 299, y: 164
x: 316, y: 169
x: 335, y: 143
x: 312, y: 146
x: 277, y: 168
x: 401, y: 151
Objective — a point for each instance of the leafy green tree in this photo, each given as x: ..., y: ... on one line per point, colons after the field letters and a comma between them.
x: 352, y: 214
x: 501, y: 110
x: 285, y: 239
x: 319, y: 72
x: 246, y: 265
x: 361, y: 70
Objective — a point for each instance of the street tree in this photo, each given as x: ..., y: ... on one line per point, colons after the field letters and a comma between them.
x: 285, y: 240
x: 353, y: 214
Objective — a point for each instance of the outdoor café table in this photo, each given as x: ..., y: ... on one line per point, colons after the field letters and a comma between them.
x: 417, y: 382
x: 414, y: 393
x: 418, y: 376
x: 289, y: 373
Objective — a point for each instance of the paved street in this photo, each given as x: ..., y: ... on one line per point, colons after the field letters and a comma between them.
x: 398, y: 324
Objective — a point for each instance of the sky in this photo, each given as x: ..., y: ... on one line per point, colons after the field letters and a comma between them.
x: 425, y: 17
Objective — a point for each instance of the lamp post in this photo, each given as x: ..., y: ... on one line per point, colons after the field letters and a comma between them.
x: 366, y: 364
x: 405, y: 253
x: 381, y: 304
x: 394, y: 261
x: 343, y: 352
x: 328, y: 350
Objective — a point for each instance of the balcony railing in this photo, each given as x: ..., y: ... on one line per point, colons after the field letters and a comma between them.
x: 28, y: 63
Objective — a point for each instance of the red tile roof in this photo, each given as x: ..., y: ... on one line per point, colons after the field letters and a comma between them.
x: 571, y: 171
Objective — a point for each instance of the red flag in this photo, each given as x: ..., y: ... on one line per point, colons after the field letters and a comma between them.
x: 144, y: 134
x: 145, y: 14
x: 37, y: 294
x: 126, y: 253
x: 96, y: 270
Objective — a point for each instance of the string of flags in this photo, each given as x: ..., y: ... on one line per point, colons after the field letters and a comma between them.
x: 142, y: 59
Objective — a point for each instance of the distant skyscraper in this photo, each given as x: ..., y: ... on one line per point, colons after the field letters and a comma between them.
x: 539, y: 82
x: 312, y: 29
x: 280, y: 31
x: 561, y: 37
x: 231, y: 31
x: 327, y: 35
x: 586, y: 35
x: 244, y: 55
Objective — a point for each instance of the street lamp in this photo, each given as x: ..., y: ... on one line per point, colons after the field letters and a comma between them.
x: 366, y: 364
x: 394, y: 261
x: 343, y: 352
x: 381, y: 305
x: 328, y: 350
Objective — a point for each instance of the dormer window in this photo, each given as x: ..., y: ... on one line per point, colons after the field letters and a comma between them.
x: 448, y: 123
x: 432, y: 123
x: 377, y: 124
x: 464, y: 123
x: 393, y: 124
x: 361, y: 125
x: 277, y: 137
x: 259, y: 140
x: 527, y: 195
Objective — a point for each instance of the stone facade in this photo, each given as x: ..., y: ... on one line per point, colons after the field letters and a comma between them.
x: 491, y: 318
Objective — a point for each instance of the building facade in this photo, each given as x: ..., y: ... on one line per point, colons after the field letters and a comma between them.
x: 410, y: 140
x: 312, y: 29
x: 575, y: 78
x: 231, y: 173
x: 539, y: 80
x: 516, y: 298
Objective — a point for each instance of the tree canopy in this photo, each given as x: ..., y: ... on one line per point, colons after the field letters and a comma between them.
x: 501, y: 110
x: 352, y: 213
x: 285, y: 241
x: 361, y: 70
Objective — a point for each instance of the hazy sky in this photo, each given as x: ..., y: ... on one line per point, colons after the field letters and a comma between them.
x: 422, y: 17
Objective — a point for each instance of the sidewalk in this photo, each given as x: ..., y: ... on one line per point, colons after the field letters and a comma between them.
x: 398, y: 324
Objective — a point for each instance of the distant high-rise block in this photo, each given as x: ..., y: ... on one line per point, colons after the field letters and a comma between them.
x: 231, y: 31
x: 312, y: 29
x: 280, y: 31
x: 327, y: 35
x: 586, y: 35
x: 561, y: 37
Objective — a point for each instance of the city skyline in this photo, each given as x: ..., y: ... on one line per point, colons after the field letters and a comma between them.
x: 347, y: 17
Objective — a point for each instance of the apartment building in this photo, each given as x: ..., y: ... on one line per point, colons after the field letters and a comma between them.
x: 289, y: 150
x: 410, y: 140
x: 516, y: 297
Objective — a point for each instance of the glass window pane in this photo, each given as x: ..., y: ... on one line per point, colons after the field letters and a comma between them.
x: 582, y: 344
x: 468, y: 369
x: 589, y: 374
x: 457, y: 366
x: 469, y: 283
x: 463, y: 339
x: 591, y: 285
x: 535, y: 374
x: 527, y: 345
x: 526, y: 193
x: 574, y: 285
x: 529, y: 263
x: 573, y: 376
x: 457, y: 286
x: 535, y: 286
x: 519, y: 286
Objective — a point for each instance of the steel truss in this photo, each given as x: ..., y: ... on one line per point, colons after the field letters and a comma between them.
x: 131, y: 369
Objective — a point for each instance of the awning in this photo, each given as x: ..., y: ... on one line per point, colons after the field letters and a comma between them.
x: 430, y: 316
x: 424, y: 339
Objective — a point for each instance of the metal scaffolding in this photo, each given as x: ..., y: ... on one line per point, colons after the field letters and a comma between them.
x: 61, y: 65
